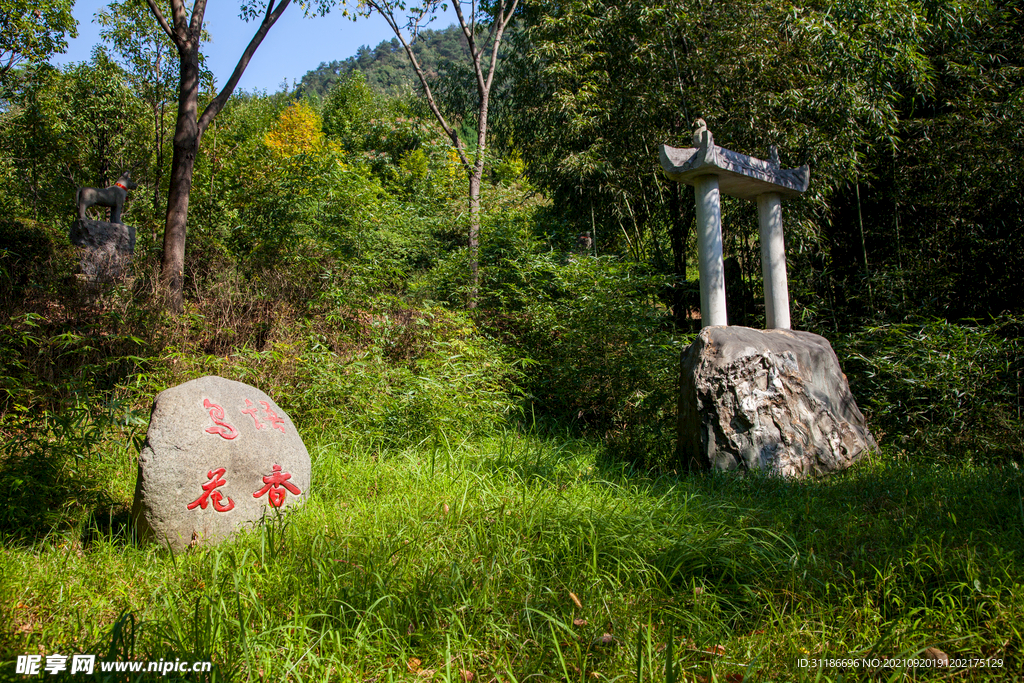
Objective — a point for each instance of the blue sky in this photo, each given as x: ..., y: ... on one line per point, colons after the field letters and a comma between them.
x: 292, y: 47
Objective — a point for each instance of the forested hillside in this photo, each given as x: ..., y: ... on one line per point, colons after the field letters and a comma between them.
x: 496, y: 493
x: 386, y: 67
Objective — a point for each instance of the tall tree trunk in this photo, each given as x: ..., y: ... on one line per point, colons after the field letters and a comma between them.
x: 156, y: 155
x: 159, y: 166
x: 475, y: 180
x: 387, y: 10
x: 474, y: 234
x: 159, y: 98
x: 186, y: 35
x: 186, y: 146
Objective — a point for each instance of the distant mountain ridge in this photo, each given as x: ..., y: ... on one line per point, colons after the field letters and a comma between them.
x: 386, y: 67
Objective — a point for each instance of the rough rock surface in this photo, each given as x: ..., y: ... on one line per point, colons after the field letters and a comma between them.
x: 767, y: 399
x: 104, y: 248
x: 215, y: 460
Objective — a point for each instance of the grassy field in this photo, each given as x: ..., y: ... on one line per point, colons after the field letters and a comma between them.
x: 525, y: 557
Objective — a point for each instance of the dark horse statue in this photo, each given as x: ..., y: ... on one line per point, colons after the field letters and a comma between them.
x: 112, y: 197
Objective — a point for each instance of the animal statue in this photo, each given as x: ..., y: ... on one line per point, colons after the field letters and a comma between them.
x: 584, y: 242
x: 112, y: 197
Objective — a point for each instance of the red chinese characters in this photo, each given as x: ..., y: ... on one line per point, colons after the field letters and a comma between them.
x: 250, y: 409
x: 275, y: 485
x: 275, y: 421
x: 220, y: 427
x: 211, y: 494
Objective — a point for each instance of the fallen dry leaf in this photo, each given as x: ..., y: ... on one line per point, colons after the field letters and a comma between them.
x: 575, y: 600
x: 936, y: 655
x: 413, y: 664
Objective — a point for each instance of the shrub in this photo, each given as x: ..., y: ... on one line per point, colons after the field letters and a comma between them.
x: 940, y: 387
x: 600, y: 353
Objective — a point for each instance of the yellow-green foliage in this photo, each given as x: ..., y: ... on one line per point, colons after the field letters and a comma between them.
x: 299, y: 130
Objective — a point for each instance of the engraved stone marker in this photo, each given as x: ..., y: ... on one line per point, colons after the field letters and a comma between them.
x: 219, y: 455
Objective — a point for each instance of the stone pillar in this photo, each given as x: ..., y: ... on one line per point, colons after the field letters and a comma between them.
x: 709, y: 251
x: 773, y: 261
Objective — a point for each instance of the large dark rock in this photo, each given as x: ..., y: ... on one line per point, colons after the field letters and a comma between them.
x: 219, y: 455
x: 774, y: 400
x: 104, y: 248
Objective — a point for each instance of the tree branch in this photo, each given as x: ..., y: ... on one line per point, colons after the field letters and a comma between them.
x: 472, y: 16
x: 218, y: 102
x: 160, y: 20
x: 389, y: 17
x: 180, y: 20
x: 499, y: 29
x: 474, y: 53
x: 196, y: 25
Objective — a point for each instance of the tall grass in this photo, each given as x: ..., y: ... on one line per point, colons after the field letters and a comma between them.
x: 527, y: 557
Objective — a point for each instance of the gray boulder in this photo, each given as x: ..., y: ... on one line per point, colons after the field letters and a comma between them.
x: 219, y: 456
x: 774, y: 400
x: 104, y: 248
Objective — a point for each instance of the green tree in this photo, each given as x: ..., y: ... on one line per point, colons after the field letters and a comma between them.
x: 186, y: 32
x: 942, y: 209
x: 107, y: 118
x: 81, y: 125
x: 31, y: 31
x: 599, y: 85
x: 483, y: 27
x: 146, y: 52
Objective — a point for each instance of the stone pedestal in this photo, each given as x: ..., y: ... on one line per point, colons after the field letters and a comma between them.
x: 105, y: 248
x: 774, y: 400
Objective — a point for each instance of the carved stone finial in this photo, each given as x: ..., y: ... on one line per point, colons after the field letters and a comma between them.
x: 699, y: 128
